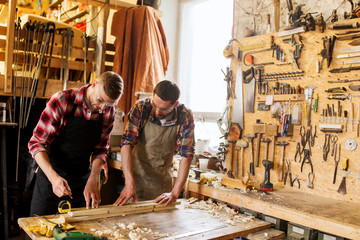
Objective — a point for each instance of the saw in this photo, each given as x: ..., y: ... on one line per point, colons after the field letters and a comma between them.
x: 238, y: 110
x: 249, y: 80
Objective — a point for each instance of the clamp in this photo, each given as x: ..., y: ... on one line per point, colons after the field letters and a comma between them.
x: 288, y: 172
x: 298, y: 152
x: 307, y: 160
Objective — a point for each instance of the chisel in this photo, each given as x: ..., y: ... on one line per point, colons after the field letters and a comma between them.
x: 342, y: 187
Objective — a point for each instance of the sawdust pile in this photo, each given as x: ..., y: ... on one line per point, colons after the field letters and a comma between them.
x: 121, y: 231
x: 219, y: 211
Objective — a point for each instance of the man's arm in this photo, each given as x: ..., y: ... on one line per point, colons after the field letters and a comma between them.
x: 183, y: 173
x: 92, y: 191
x: 59, y: 185
x: 129, y: 190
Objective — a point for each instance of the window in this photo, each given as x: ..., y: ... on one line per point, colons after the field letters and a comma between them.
x: 205, y: 29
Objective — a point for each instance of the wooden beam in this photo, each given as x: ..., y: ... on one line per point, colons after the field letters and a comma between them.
x: 277, y: 15
x: 9, y: 46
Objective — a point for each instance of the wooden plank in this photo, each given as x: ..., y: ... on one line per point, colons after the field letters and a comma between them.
x: 328, y: 215
x: 9, y: 46
x: 55, y: 85
x: 179, y: 223
x: 277, y: 15
x: 268, y: 234
x: 3, y: 30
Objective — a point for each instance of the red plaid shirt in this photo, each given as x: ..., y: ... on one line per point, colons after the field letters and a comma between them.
x: 56, y: 114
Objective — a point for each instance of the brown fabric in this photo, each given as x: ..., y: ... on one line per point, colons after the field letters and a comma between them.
x: 141, y: 51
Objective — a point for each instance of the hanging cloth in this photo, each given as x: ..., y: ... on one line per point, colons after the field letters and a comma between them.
x: 141, y: 52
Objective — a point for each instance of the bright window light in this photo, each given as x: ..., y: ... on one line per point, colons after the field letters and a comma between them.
x: 205, y: 29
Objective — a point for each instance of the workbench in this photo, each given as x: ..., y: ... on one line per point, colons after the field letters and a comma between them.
x: 331, y: 216
x: 176, y: 223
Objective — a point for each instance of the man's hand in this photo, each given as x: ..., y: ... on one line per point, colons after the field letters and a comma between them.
x: 92, y: 193
x: 61, y: 187
x: 166, y: 198
x: 128, y: 192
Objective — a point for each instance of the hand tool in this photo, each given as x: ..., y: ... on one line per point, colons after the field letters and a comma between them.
x: 345, y: 120
x: 354, y: 87
x: 237, y: 148
x: 267, y: 185
x: 315, y: 108
x: 297, y: 180
x: 333, y: 140
x: 326, y: 130
x: 347, y: 32
x: 64, y: 206
x: 307, y: 160
x: 345, y: 81
x: 341, y: 97
x: 347, y: 55
x: 336, y: 160
x: 266, y: 141
x: 348, y: 37
x: 336, y: 90
x: 342, y: 187
x: 52, y: 36
x: 326, y: 146
x: 229, y: 172
x: 303, y: 138
x: 298, y: 153
x: 308, y: 94
x: 242, y: 144
x: 343, y: 25
x: 273, y: 46
x: 311, y: 177
x: 249, y: 80
x: 59, y: 234
x: 238, y: 109
x: 288, y: 172
x: 342, y: 70
x: 349, y: 49
x: 312, y: 137
x: 259, y: 129
x: 281, y: 162
x: 250, y: 137
x: 227, y: 79
x: 350, y: 144
x: 291, y: 31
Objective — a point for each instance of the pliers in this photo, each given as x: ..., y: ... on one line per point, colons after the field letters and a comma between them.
x: 307, y: 159
x: 298, y: 152
x: 326, y: 147
x: 288, y: 172
x: 297, y: 180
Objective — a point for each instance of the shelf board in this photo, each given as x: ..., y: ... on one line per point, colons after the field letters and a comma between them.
x: 79, y: 15
x: 55, y: 4
x: 282, y: 97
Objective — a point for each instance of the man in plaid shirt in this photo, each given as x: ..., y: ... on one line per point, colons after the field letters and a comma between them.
x: 74, y: 126
x: 157, y: 129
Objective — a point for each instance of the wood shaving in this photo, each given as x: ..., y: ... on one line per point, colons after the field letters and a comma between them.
x: 219, y: 211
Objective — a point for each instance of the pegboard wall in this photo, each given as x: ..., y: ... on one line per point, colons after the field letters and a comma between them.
x: 310, y: 54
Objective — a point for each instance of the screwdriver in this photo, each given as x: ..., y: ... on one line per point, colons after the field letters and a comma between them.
x: 337, y: 96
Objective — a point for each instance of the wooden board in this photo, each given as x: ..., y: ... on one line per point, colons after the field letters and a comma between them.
x: 181, y: 223
x: 340, y: 218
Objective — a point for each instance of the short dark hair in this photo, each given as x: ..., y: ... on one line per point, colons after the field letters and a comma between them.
x: 112, y: 83
x: 167, y: 91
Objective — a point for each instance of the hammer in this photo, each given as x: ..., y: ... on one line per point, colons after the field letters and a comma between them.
x: 281, y: 163
x: 241, y: 144
x: 250, y: 137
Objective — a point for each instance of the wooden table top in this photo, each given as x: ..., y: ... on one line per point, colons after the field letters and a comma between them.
x: 178, y: 223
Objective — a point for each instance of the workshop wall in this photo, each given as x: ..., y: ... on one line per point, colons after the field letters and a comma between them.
x: 323, y: 170
x: 252, y: 14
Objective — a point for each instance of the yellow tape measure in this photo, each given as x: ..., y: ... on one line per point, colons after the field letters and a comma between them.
x: 64, y: 206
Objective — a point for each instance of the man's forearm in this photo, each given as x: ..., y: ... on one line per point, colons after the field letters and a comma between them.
x: 127, y: 164
x: 42, y: 159
x: 183, y: 173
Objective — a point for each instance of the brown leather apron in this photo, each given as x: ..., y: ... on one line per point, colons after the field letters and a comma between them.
x: 153, y: 155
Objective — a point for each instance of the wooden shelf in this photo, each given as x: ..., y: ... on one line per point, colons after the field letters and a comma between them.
x: 332, y: 216
x: 79, y: 15
x: 283, y: 97
x: 55, y: 4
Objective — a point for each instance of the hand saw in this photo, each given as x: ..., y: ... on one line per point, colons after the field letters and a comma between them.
x: 249, y: 80
x: 238, y: 109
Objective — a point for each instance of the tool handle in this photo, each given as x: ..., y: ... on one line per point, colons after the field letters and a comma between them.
x: 345, y: 164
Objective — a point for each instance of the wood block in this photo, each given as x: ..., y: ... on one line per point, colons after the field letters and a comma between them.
x: 268, y: 234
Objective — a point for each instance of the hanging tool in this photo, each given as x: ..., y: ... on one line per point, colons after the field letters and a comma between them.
x: 267, y: 185
x: 349, y: 49
x: 281, y: 162
x: 308, y: 95
x: 342, y: 187
x: 333, y: 140
x: 249, y: 80
x: 341, y: 97
x: 336, y: 160
x: 303, y: 138
x: 296, y: 179
x: 242, y: 144
x: 238, y: 109
x: 250, y: 137
x: 342, y: 70
x: 345, y: 81
x: 273, y: 46
x: 311, y: 177
x: 343, y: 25
x: 336, y: 90
x: 298, y: 153
x: 288, y: 172
x: 307, y: 160
x: 230, y: 170
x: 312, y: 137
x: 326, y: 146
x: 227, y: 79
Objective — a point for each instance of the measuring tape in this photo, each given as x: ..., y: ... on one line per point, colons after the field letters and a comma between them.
x: 64, y: 206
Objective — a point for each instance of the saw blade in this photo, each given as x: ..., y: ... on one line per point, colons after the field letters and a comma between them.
x: 348, y: 49
x: 238, y: 109
x: 250, y: 96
